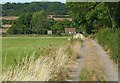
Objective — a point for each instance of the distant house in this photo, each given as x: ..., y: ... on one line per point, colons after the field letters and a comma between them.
x: 70, y: 30
x: 2, y: 31
x: 9, y: 18
x: 5, y: 28
x: 50, y: 16
x: 59, y: 19
x: 49, y: 32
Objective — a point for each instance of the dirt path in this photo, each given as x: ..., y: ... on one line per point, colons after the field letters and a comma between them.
x: 110, y: 69
x: 94, y: 63
x: 75, y: 73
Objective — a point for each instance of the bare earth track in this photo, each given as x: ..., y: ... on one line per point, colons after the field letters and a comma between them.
x: 111, y: 70
x: 93, y: 57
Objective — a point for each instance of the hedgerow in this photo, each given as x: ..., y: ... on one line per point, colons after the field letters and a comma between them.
x: 109, y: 38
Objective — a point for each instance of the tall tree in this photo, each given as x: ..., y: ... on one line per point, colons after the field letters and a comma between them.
x: 11, y: 9
x: 39, y: 22
x: 90, y: 15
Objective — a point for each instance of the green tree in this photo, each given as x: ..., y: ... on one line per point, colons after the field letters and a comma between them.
x: 22, y: 25
x: 39, y: 22
x: 78, y: 12
x: 91, y: 16
x: 11, y: 9
x: 59, y: 26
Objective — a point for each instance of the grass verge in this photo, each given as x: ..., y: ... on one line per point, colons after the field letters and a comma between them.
x: 109, y: 39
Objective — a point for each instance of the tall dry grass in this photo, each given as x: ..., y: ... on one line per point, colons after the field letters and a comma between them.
x: 51, y: 66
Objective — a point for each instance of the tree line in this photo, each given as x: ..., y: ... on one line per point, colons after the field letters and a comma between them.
x: 38, y: 23
x: 90, y: 17
x: 16, y: 9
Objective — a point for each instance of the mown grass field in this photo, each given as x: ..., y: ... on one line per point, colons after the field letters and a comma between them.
x: 16, y: 48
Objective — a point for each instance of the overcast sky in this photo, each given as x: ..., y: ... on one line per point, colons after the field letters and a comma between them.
x: 22, y: 1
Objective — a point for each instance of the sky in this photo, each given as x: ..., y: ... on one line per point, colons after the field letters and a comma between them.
x: 23, y: 1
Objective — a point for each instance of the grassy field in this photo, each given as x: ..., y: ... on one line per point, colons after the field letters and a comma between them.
x: 38, y: 58
x: 15, y: 48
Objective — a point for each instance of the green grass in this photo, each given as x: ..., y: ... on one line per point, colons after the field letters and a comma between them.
x: 16, y: 48
x: 109, y: 38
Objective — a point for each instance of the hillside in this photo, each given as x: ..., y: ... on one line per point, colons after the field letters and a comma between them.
x: 11, y: 9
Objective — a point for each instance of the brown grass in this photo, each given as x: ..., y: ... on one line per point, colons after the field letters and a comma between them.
x: 50, y: 66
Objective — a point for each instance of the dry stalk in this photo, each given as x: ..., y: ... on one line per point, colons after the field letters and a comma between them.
x: 44, y: 68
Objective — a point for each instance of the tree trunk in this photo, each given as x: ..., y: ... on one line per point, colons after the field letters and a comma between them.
x: 111, y: 18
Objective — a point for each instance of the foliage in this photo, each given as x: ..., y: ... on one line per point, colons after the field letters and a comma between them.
x: 31, y: 23
x: 11, y: 9
x: 109, y: 38
x: 114, y: 13
x: 59, y: 26
x: 101, y: 18
x: 39, y: 22
x: 7, y: 22
x: 22, y: 25
x: 92, y: 16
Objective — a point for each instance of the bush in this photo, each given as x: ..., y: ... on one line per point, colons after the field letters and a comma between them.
x: 109, y: 39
